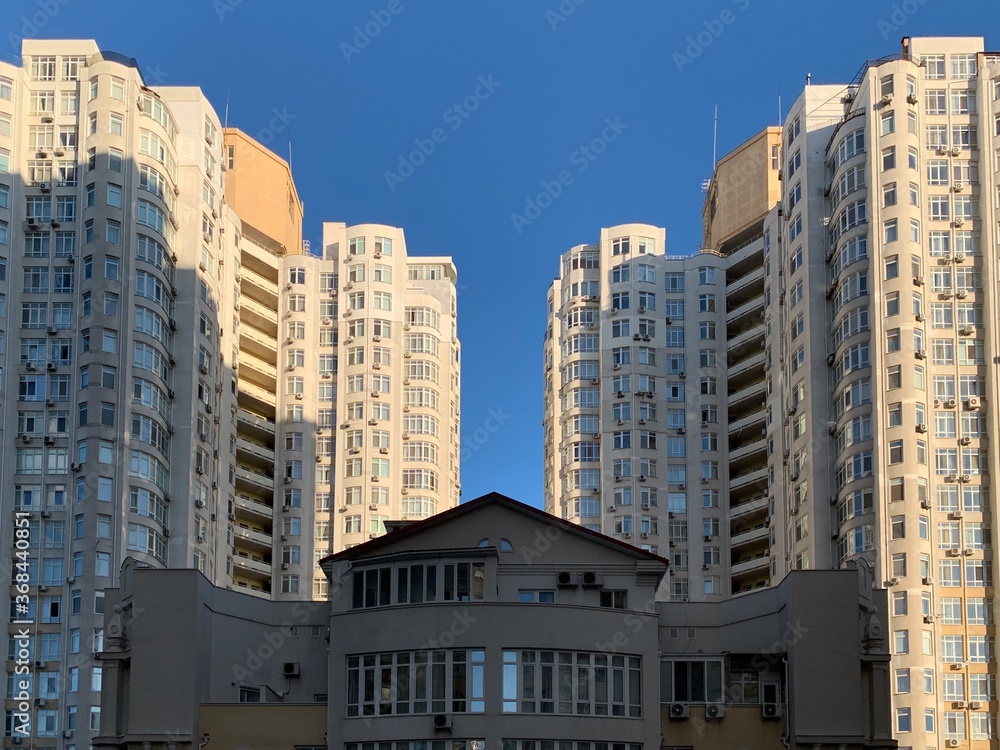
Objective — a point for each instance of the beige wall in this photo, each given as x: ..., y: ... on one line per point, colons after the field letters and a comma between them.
x: 274, y: 727
x: 259, y: 187
x: 744, y: 187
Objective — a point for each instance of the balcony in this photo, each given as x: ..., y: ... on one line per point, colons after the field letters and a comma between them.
x: 260, y: 395
x: 258, y: 315
x: 756, y: 565
x: 250, y: 422
x: 747, y: 450
x: 256, y: 454
x: 756, y: 391
x: 751, y: 477
x: 259, y: 344
x: 256, y: 286
x: 244, y: 588
x: 253, y: 539
x: 761, y: 534
x: 257, y: 370
x: 751, y: 363
x: 252, y: 568
x: 753, y: 307
x: 254, y: 507
x: 741, y: 287
x: 757, y: 417
x: 257, y: 481
x: 748, y: 336
x: 748, y: 510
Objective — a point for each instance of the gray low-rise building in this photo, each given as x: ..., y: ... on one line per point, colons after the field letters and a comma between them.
x: 495, y: 624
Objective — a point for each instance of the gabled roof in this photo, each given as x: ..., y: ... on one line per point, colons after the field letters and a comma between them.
x: 493, y: 498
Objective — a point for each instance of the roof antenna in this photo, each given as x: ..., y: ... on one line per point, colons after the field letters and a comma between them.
x: 715, y: 136
x: 779, y: 109
x: 225, y: 124
x: 707, y: 183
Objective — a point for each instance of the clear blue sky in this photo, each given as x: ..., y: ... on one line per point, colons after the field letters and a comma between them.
x: 553, y: 79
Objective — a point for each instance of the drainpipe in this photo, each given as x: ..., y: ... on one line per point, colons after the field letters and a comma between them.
x: 788, y: 718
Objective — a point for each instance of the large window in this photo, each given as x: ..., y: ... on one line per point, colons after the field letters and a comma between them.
x: 572, y: 682
x: 415, y: 584
x: 416, y: 682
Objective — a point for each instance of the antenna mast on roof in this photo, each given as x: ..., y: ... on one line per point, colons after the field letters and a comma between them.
x: 225, y: 124
x: 706, y: 184
x: 715, y: 137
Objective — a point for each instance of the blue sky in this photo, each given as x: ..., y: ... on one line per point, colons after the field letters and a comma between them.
x: 502, y: 95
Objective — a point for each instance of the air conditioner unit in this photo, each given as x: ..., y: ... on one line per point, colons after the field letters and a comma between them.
x: 715, y: 711
x: 892, y: 582
x: 617, y: 366
x: 975, y: 705
x: 928, y: 581
x: 591, y: 579
x: 956, y: 150
x: 952, y: 743
x: 886, y: 99
x: 442, y: 722
x: 953, y: 552
x: 565, y: 580
x: 972, y: 402
x: 770, y: 711
x: 918, y: 280
x: 962, y: 293
x: 627, y: 535
x: 920, y: 354
x: 679, y: 711
x: 951, y: 403
x: 919, y: 317
x: 680, y: 430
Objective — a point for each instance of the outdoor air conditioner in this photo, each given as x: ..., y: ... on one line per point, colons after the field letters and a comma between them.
x: 953, y: 552
x: 591, y: 579
x: 679, y: 711
x: 770, y: 711
x: 442, y: 722
x: 921, y: 427
x: 565, y: 580
x: 951, y: 403
x: 715, y: 711
x: 291, y: 669
x: 973, y: 402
